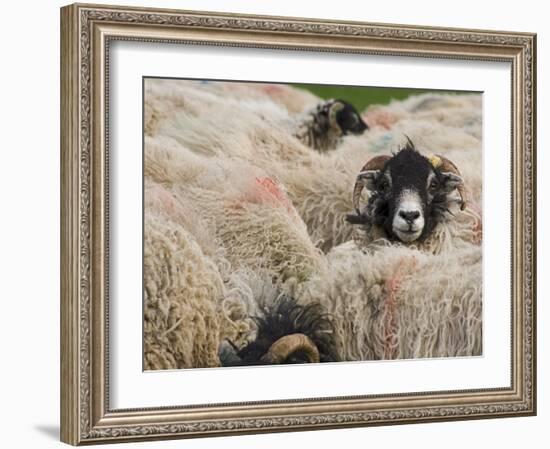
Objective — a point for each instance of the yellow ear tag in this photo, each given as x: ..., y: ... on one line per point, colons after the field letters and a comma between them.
x: 435, y: 160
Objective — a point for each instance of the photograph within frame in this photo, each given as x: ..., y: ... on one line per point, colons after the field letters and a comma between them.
x: 241, y: 270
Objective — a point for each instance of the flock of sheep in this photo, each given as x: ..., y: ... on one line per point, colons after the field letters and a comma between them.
x: 281, y: 228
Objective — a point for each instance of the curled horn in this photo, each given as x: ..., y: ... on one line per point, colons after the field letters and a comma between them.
x: 284, y: 346
x: 376, y: 163
x: 446, y: 165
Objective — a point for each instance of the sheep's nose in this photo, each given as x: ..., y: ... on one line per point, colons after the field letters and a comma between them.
x: 409, y: 216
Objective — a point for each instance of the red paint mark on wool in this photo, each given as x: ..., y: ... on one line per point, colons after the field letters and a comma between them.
x: 268, y: 191
x: 478, y: 223
x: 383, y: 119
x: 168, y: 201
x: 393, y: 285
x: 165, y: 198
x: 272, y: 188
x: 390, y: 335
x: 272, y: 89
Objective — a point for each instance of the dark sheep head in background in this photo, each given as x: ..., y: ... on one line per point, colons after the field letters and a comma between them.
x: 323, y: 127
x: 346, y: 117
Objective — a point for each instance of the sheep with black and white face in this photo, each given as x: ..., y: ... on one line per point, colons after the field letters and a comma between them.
x: 409, y: 194
x: 323, y: 127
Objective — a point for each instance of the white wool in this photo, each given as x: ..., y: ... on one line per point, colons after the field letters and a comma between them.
x: 182, y: 290
x: 393, y: 302
x: 292, y: 99
x: 247, y: 213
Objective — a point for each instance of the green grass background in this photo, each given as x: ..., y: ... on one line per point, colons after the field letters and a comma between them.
x: 361, y: 97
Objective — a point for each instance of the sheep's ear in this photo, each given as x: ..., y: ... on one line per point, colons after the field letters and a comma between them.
x: 368, y: 178
x: 451, y: 181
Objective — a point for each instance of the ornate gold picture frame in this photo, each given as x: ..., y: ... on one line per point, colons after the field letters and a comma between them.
x: 87, y: 33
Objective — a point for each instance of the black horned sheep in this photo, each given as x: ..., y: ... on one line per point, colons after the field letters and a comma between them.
x: 287, y: 333
x: 409, y: 194
x: 323, y: 127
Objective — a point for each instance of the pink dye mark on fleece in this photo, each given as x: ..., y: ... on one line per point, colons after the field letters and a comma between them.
x: 383, y: 119
x: 477, y: 227
x: 265, y: 191
x: 393, y: 285
x: 165, y: 199
x: 273, y: 89
x: 268, y: 191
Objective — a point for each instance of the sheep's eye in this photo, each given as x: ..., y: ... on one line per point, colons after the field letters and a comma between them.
x: 434, y: 184
x: 383, y: 186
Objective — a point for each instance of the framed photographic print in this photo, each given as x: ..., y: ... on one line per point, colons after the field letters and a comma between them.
x: 279, y: 224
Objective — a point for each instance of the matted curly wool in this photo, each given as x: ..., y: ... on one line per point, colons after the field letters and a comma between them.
x: 233, y: 201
